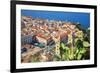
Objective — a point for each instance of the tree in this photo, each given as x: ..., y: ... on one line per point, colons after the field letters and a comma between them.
x: 79, y: 44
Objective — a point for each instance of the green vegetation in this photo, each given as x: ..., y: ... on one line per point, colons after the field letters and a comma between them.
x: 79, y: 51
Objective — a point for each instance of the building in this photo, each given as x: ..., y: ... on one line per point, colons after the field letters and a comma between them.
x: 57, y: 44
x: 69, y: 25
x: 63, y: 36
x: 44, y: 39
x: 56, y: 38
x: 26, y: 39
x: 26, y: 21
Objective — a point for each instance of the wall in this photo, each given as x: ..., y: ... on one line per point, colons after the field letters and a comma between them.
x: 5, y: 35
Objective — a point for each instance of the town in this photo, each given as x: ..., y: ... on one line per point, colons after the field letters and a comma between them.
x: 44, y: 40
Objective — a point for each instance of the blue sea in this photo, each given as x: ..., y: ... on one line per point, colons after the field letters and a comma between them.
x: 75, y: 17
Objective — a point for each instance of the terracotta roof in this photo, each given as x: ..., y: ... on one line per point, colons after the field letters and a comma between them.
x: 43, y: 36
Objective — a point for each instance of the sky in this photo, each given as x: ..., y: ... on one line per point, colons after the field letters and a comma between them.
x: 75, y: 17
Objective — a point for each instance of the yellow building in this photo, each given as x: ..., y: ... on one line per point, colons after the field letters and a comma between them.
x: 57, y: 47
x: 70, y: 39
x: 57, y: 44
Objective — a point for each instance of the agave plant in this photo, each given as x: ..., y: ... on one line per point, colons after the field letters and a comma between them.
x: 76, y: 53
